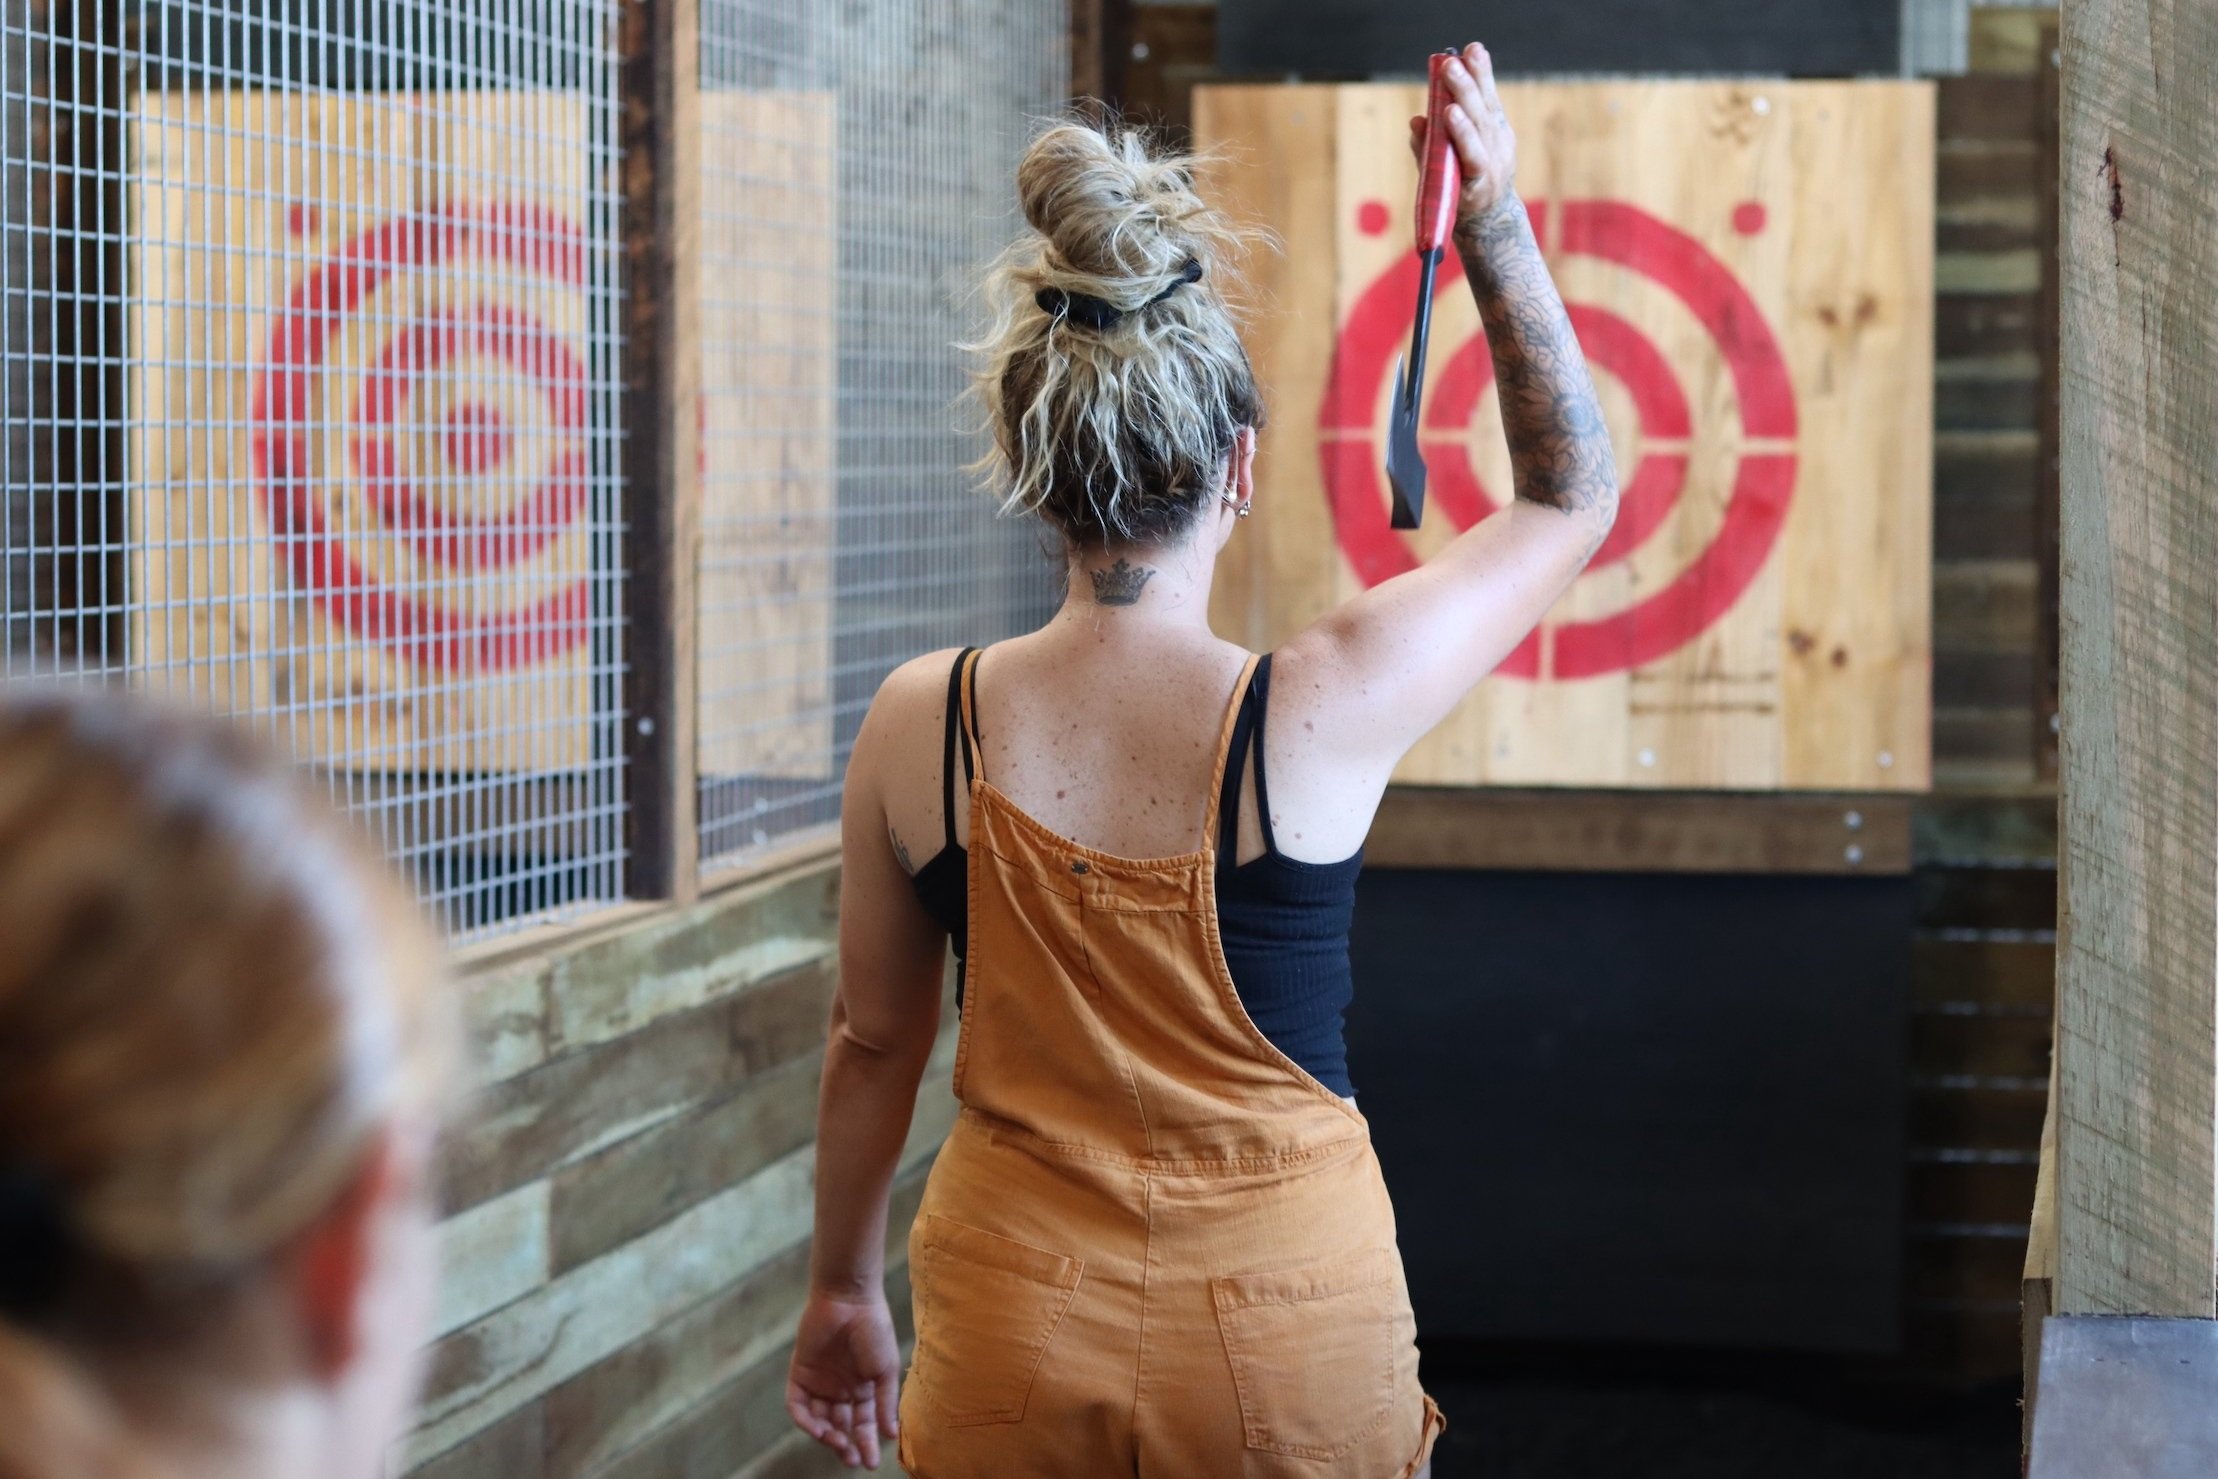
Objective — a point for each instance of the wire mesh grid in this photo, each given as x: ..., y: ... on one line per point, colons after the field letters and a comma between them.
x: 858, y: 169
x: 312, y: 361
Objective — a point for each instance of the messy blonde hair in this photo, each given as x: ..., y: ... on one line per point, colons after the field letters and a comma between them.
x: 212, y: 998
x: 1116, y: 433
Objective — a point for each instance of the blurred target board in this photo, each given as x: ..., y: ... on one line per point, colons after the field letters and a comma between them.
x: 374, y: 451
x: 1749, y: 269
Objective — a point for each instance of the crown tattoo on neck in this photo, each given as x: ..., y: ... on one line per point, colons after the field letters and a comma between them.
x: 1119, y: 585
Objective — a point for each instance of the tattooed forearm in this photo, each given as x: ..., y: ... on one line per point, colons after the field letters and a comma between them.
x: 1559, y: 447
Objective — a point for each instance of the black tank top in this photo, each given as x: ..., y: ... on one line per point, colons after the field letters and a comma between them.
x: 1283, y: 922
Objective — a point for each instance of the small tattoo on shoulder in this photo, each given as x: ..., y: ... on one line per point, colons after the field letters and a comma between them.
x: 901, y: 851
x: 1119, y: 585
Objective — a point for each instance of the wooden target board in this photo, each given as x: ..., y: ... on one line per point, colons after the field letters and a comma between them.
x: 1749, y: 268
x: 369, y: 426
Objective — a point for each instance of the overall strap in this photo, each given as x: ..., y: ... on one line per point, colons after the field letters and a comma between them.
x: 1227, y: 737
x: 947, y: 747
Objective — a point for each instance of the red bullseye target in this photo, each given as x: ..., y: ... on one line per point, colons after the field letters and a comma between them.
x: 476, y: 439
x: 1706, y: 588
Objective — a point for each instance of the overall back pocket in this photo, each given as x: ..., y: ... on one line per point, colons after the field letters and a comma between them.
x: 986, y: 1307
x: 1313, y: 1351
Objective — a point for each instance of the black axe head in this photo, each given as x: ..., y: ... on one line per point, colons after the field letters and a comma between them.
x: 1405, y: 464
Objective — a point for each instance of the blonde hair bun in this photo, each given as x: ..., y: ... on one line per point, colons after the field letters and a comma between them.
x: 1112, y: 372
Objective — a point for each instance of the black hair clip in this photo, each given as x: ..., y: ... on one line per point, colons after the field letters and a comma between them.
x: 1099, y: 313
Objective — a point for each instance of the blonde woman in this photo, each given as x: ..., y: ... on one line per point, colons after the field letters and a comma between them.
x: 1157, y: 1241
x: 221, y: 1056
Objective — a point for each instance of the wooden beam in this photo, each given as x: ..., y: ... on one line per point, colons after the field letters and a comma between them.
x: 2049, y: 345
x: 1639, y: 831
x: 1100, y: 54
x: 660, y: 83
x: 2137, y: 1209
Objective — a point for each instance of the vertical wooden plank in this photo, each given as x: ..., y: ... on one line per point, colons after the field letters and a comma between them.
x: 2139, y: 646
x: 2049, y: 345
x: 660, y: 85
x: 1857, y: 562
x: 1278, y: 570
x: 1100, y: 54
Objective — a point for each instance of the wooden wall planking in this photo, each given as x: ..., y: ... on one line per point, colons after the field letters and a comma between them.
x: 628, y: 1200
x: 2137, y: 994
x: 1817, y: 673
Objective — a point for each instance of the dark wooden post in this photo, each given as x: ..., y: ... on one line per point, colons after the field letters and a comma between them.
x: 1100, y: 54
x: 2051, y: 347
x: 2137, y: 983
x: 662, y: 369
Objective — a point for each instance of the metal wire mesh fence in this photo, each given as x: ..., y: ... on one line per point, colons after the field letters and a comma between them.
x: 311, y: 337
x: 857, y: 165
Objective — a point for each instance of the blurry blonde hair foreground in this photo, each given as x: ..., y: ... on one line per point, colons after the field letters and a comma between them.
x: 1111, y: 372
x: 222, y: 1049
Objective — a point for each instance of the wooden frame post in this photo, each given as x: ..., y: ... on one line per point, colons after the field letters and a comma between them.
x: 2137, y: 988
x: 660, y: 127
x: 1100, y: 55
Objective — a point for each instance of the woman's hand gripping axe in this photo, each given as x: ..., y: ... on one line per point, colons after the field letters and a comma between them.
x: 1437, y: 185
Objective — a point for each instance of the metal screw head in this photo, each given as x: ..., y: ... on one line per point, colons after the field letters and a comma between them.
x: 646, y: 724
x: 1886, y: 759
x: 1647, y: 758
x: 1854, y: 854
x: 1854, y: 821
x: 1760, y: 106
x: 1139, y: 51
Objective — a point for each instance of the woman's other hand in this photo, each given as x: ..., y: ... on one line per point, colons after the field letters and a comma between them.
x: 844, y: 1386
x: 1486, y: 147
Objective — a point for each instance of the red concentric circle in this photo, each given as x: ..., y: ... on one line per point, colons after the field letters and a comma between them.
x: 286, y: 420
x: 1763, y: 481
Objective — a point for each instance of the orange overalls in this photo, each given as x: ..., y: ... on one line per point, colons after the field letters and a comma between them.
x: 1152, y: 1245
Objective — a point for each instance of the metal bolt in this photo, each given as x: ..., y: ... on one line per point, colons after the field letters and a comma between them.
x: 1139, y: 51
x: 1648, y: 758
x: 1853, y: 821
x: 1886, y: 759
x: 1761, y: 105
x: 1854, y: 854
x: 646, y: 724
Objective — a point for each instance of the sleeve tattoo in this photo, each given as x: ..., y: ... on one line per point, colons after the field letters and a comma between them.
x: 1559, y: 447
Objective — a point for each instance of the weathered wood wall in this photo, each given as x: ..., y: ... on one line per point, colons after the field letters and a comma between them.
x: 1762, y: 331
x: 628, y: 1196
x: 2137, y: 993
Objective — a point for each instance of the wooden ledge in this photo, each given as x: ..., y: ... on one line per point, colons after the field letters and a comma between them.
x: 1641, y: 831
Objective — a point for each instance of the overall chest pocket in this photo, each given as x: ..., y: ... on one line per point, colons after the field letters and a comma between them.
x: 1313, y: 1351
x: 986, y: 1308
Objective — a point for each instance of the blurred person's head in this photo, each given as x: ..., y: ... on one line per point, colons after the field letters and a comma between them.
x: 222, y: 1054
x: 1121, y: 401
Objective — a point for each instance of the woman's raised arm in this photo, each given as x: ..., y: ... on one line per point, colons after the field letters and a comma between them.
x: 1389, y: 664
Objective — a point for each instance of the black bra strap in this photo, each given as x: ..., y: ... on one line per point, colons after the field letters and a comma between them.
x: 1262, y: 792
x: 947, y: 750
x: 1228, y: 799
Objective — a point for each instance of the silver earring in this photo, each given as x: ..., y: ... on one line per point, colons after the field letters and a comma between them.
x: 1239, y: 508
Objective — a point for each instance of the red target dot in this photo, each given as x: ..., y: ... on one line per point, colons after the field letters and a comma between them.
x: 477, y: 438
x: 1749, y: 217
x: 1372, y: 218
